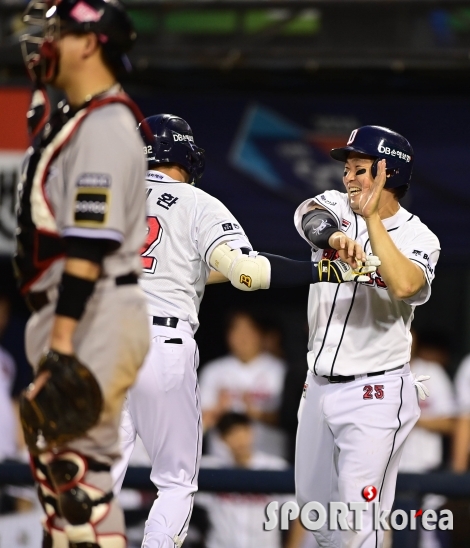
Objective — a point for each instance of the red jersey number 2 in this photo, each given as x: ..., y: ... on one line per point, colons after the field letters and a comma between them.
x: 154, y: 235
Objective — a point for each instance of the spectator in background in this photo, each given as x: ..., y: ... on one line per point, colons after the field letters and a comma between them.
x: 249, y: 380
x: 423, y: 450
x: 236, y: 519
x: 9, y: 426
x: 461, y: 446
x: 434, y: 346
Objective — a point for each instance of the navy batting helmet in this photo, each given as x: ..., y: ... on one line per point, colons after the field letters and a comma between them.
x: 381, y: 142
x: 173, y: 143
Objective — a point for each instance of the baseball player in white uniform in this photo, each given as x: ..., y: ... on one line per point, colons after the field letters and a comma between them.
x: 189, y: 232
x: 360, y: 401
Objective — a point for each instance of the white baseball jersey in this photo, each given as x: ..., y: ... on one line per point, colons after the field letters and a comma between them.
x: 237, y: 519
x: 361, y: 328
x: 262, y: 380
x: 185, y: 224
x: 423, y: 449
x: 462, y: 384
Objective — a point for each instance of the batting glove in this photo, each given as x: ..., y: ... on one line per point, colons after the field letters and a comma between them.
x: 338, y: 271
x: 421, y: 389
x: 372, y: 260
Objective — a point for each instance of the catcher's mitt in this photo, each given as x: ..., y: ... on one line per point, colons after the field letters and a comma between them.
x: 67, y: 405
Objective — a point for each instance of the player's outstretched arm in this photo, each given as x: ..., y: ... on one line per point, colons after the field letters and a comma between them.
x: 216, y: 278
x: 249, y: 270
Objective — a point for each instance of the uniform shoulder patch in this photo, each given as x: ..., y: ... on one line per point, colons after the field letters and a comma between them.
x: 91, y: 207
x: 95, y: 180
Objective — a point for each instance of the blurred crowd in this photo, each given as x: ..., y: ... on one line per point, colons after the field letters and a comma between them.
x: 249, y: 400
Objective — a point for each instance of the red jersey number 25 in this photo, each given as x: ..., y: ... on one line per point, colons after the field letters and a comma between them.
x: 154, y: 235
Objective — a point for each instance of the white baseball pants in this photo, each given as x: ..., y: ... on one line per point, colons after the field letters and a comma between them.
x: 163, y: 407
x: 350, y: 436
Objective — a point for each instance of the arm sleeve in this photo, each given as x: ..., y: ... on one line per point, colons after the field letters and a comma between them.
x: 214, y: 225
x: 98, y: 173
x: 289, y: 273
x: 331, y: 200
x: 423, y: 250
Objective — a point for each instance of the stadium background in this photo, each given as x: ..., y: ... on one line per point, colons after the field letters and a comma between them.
x: 268, y: 88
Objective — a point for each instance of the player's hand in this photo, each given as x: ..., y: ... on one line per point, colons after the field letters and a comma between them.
x: 338, y: 271
x: 369, y: 197
x: 349, y: 250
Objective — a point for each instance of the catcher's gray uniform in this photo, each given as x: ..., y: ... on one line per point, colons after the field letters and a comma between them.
x: 93, y: 189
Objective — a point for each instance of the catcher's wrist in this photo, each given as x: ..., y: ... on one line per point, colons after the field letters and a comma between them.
x: 74, y: 293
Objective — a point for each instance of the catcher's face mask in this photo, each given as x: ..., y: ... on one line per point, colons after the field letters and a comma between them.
x: 39, y: 46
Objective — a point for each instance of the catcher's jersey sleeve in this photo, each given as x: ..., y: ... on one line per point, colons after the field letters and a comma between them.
x: 103, y: 172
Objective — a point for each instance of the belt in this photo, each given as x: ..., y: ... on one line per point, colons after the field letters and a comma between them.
x: 333, y: 379
x: 37, y: 300
x: 166, y: 322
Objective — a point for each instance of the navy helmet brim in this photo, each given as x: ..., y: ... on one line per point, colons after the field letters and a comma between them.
x: 341, y: 154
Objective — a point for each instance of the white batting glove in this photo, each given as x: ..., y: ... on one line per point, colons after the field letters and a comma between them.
x: 421, y: 389
x: 372, y: 260
x: 338, y: 271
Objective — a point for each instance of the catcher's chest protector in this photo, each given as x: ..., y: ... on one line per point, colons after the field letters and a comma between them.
x: 38, y: 242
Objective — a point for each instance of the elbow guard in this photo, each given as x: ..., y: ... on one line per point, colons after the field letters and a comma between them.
x: 318, y: 225
x: 247, y: 272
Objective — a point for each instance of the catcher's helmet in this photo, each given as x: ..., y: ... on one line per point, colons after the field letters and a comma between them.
x: 173, y: 143
x: 52, y: 18
x: 381, y: 142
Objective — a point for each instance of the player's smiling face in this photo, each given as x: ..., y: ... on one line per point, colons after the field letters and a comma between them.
x: 357, y: 177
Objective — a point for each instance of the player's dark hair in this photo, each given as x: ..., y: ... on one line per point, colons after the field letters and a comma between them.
x: 112, y: 62
x: 400, y: 191
x: 230, y: 420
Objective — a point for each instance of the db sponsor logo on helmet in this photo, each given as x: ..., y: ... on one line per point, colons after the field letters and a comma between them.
x: 181, y: 137
x: 392, y: 152
x: 245, y: 280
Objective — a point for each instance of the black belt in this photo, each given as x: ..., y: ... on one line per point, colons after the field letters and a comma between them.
x: 127, y: 279
x: 37, y: 300
x: 166, y: 322
x: 333, y: 379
